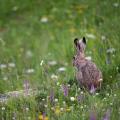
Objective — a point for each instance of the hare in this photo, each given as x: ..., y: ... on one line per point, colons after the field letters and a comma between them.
x: 87, y: 74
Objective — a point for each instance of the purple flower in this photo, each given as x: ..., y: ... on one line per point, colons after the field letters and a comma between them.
x: 80, y: 98
x: 65, y: 90
x: 26, y: 86
x: 51, y: 96
x: 93, y: 116
x: 107, y: 115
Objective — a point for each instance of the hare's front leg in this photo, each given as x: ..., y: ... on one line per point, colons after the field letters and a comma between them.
x: 79, y: 78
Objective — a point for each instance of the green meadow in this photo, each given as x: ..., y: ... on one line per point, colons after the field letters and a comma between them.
x: 37, y: 78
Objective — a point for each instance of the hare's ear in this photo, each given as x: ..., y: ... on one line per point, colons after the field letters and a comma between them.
x: 75, y: 41
x: 84, y: 40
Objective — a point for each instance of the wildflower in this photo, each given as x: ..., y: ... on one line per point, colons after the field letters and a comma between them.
x: 56, y: 100
x: 81, y: 92
x: 43, y: 117
x: 110, y: 50
x: 61, y: 109
x: 62, y: 69
x: 44, y: 19
x: 12, y: 65
x: 58, y: 83
x: 2, y: 66
x: 15, y: 8
x: 115, y: 95
x: 3, y: 108
x: 116, y: 5
x: 65, y: 90
x: 57, y: 110
x: 107, y: 115
x: 80, y: 98
x: 27, y: 109
x: 81, y: 107
x: 93, y: 116
x: 111, y: 104
x: 52, y: 63
x: 51, y: 96
x: 64, y: 102
x: 103, y: 37
x: 108, y: 94
x: 68, y: 109
x: 45, y: 106
x: 26, y: 86
x: 41, y: 63
x: 96, y: 94
x: 53, y: 76
x: 29, y: 71
x: 29, y: 53
x: 72, y: 98
x: 91, y: 36
x: 5, y: 78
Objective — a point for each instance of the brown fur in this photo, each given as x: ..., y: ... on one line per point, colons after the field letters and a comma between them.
x: 87, y: 73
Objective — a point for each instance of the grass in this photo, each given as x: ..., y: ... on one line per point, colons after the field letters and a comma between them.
x: 34, y: 33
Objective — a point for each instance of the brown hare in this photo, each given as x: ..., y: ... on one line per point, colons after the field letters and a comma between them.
x: 87, y: 74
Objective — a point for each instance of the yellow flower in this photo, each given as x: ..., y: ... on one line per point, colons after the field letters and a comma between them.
x: 57, y: 110
x: 68, y: 109
x: 41, y: 117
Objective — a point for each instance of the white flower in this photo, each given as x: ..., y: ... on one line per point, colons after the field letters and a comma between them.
x: 72, y: 98
x: 30, y: 71
x: 91, y: 36
x: 3, y: 108
x: 5, y: 78
x: 41, y: 63
x: 61, y: 109
x: 111, y: 104
x: 64, y: 102
x: 96, y: 94
x: 58, y: 83
x: 103, y: 37
x: 2, y: 66
x: 56, y: 100
x: 29, y: 53
x: 62, y: 69
x: 110, y: 50
x: 44, y: 19
x: 27, y: 108
x: 12, y: 65
x: 115, y: 95
x: 45, y: 106
x: 115, y: 4
x: 108, y: 94
x: 81, y: 107
x: 88, y: 58
x: 81, y: 92
x: 53, y: 76
x: 29, y: 117
x: 52, y: 63
x: 15, y: 8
